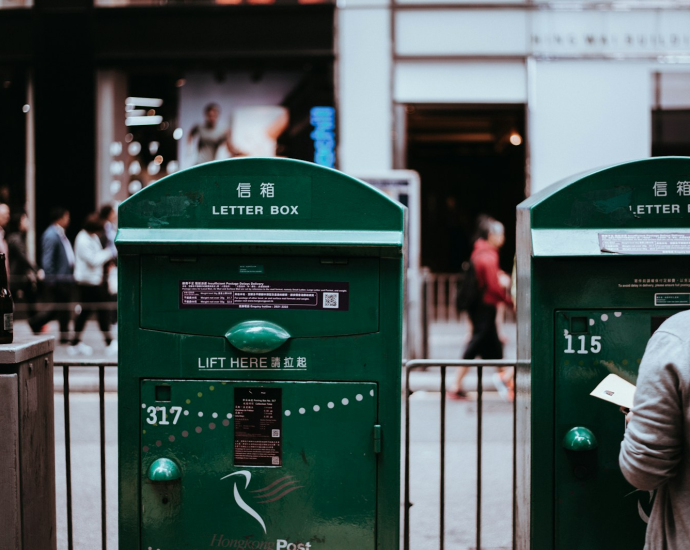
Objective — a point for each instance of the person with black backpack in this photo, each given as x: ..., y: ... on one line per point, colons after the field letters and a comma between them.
x: 484, y: 288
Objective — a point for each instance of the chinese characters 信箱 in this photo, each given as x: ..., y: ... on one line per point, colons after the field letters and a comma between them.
x: 661, y: 188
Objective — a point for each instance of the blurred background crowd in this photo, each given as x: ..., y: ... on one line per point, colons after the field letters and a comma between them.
x: 72, y: 280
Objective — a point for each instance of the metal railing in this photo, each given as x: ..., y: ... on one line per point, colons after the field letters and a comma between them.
x: 100, y: 365
x: 439, y: 296
x: 423, y: 364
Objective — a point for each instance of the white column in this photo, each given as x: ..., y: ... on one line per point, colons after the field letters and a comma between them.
x: 588, y: 114
x: 364, y: 87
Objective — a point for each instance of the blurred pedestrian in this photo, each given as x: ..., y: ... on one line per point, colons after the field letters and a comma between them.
x: 24, y: 274
x: 493, y: 285
x: 108, y: 216
x: 57, y: 260
x: 4, y: 222
x: 88, y: 273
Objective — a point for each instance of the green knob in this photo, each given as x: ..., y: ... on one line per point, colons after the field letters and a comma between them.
x: 257, y: 336
x: 580, y: 439
x: 164, y: 469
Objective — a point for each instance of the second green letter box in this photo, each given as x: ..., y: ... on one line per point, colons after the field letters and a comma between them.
x: 602, y: 262
x: 260, y: 352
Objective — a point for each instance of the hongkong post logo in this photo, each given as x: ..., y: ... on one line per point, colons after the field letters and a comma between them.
x: 271, y: 493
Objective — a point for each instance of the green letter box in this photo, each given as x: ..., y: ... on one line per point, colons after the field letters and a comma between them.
x: 260, y: 357
x: 602, y: 262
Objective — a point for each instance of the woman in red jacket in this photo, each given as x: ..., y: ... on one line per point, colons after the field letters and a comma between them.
x: 493, y: 285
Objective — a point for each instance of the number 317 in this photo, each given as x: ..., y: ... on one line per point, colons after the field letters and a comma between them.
x: 594, y: 344
x: 153, y: 415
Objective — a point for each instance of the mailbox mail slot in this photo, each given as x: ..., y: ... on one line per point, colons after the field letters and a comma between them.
x: 260, y: 351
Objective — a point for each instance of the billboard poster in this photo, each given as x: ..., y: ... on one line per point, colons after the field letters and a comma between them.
x: 154, y: 125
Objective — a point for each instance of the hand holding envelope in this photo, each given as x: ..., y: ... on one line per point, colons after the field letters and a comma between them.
x: 618, y: 391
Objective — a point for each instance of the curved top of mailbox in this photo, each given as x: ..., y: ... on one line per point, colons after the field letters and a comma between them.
x: 272, y: 201
x: 586, y: 214
x: 653, y: 192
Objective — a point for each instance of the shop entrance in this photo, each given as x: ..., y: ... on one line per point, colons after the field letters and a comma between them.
x: 471, y: 161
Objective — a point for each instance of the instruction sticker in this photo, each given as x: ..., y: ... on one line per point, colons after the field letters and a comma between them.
x: 645, y: 243
x: 258, y: 427
x: 264, y: 295
x: 675, y: 299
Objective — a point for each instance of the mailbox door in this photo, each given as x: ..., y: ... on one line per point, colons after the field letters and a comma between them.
x: 595, y: 506
x: 261, y: 464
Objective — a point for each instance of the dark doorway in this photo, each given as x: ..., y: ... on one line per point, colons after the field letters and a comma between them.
x: 471, y: 160
x: 670, y: 132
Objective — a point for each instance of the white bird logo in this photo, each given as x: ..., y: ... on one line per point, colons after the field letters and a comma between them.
x: 241, y: 503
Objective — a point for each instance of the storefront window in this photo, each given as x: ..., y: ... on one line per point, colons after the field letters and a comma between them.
x: 152, y: 126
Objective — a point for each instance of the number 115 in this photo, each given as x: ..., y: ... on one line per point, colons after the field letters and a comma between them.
x: 594, y: 344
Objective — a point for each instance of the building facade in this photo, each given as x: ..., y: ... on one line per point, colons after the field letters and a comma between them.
x: 488, y: 101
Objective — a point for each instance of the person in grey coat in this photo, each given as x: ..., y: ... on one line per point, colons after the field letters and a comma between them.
x: 57, y: 259
x: 655, y: 453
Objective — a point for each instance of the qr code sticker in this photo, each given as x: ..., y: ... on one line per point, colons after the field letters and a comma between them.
x: 331, y: 300
x: 275, y: 460
x: 275, y: 433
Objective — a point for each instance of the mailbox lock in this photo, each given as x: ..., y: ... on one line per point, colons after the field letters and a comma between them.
x: 580, y: 439
x: 164, y: 469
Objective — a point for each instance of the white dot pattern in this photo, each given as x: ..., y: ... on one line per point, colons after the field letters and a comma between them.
x: 359, y: 397
x: 317, y: 408
x: 201, y: 413
x: 302, y: 410
x: 331, y: 405
x: 345, y: 401
x: 287, y: 413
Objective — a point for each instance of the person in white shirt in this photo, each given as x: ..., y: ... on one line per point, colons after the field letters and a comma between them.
x: 90, y: 257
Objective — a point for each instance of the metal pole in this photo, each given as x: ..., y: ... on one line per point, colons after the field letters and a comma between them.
x: 442, y: 510
x: 479, y: 457
x: 406, y: 512
x: 68, y: 457
x: 425, y: 316
x: 101, y: 397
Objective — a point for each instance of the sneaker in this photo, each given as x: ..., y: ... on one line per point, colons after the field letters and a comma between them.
x: 83, y: 348
x: 501, y: 387
x: 72, y: 350
x: 458, y: 395
x: 112, y: 348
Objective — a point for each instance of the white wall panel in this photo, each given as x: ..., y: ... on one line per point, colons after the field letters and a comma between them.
x: 586, y: 115
x: 364, y: 87
x: 461, y: 32
x: 460, y: 82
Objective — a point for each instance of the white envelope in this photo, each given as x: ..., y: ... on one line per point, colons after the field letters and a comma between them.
x: 615, y: 390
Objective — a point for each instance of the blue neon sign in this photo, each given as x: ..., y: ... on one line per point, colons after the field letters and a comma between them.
x: 323, y: 121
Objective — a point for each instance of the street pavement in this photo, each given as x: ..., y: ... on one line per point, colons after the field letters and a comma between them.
x: 446, y: 341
